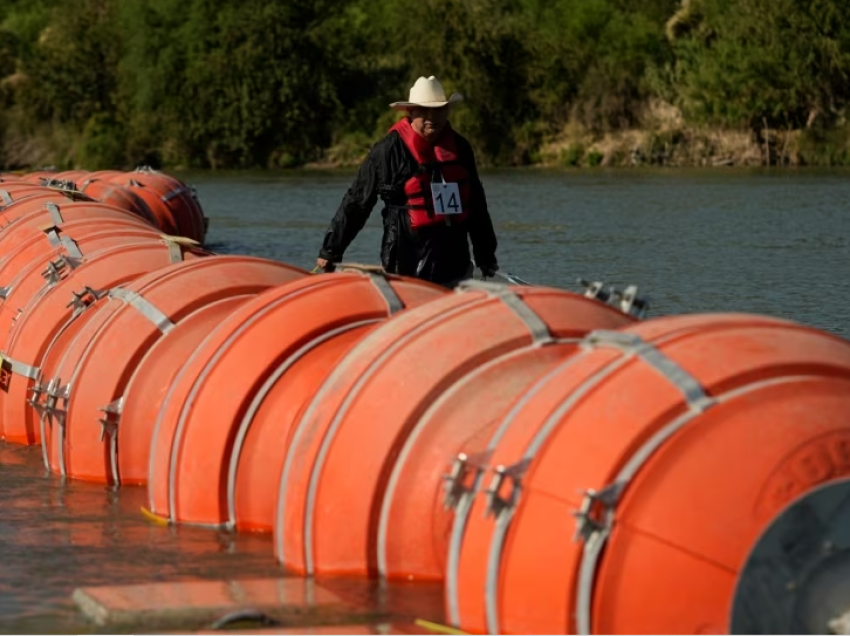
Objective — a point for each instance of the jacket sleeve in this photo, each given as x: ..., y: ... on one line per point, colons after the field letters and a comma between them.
x: 481, y: 230
x: 353, y: 211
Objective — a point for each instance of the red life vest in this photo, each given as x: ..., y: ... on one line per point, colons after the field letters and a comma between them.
x: 433, y: 160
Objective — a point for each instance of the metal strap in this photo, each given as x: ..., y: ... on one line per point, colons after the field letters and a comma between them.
x: 175, y: 252
x: 7, y: 198
x: 19, y: 368
x: 689, y: 386
x: 53, y: 236
x: 109, y: 427
x: 55, y: 213
x: 144, y: 307
x: 631, y: 345
x: 71, y: 247
x: 302, y: 424
x: 539, y: 329
x: 4, y: 292
x: 380, y: 281
x: 174, y: 193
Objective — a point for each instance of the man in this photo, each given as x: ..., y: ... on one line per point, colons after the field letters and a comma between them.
x: 425, y: 173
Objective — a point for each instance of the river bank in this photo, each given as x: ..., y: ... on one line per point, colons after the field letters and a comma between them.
x: 664, y: 138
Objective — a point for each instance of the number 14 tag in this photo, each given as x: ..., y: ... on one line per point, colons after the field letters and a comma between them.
x: 446, y: 198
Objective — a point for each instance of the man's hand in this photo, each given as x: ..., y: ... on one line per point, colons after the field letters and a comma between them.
x: 325, y: 265
x: 488, y: 271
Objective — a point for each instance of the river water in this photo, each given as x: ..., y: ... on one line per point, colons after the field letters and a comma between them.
x: 772, y: 242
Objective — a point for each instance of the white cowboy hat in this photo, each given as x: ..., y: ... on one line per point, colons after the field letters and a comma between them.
x: 428, y: 93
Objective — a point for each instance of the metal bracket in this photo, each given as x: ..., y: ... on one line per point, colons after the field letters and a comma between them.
x: 626, y: 301
x: 458, y: 482
x: 594, y: 513
x: 55, y: 269
x: 595, y: 290
x: 112, y: 417
x: 54, y: 391
x: 84, y: 298
x: 496, y: 501
x: 630, y: 303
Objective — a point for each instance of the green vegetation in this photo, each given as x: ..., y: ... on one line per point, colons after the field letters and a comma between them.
x: 283, y: 83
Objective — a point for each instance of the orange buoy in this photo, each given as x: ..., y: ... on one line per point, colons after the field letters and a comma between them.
x: 60, y: 256
x: 165, y: 219
x: 345, y: 443
x: 13, y: 196
x: 692, y: 432
x: 195, y: 452
x: 119, y: 196
x: 22, y: 243
x: 55, y: 209
x: 415, y: 515
x: 152, y: 379
x: 256, y: 460
x: 70, y: 287
x: 176, y: 196
x: 98, y: 363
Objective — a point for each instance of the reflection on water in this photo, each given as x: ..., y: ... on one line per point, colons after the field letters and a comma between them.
x: 774, y: 242
x: 56, y: 537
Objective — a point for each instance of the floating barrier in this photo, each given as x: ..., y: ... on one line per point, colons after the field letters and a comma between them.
x: 344, y: 444
x: 173, y: 203
x: 19, y: 193
x: 200, y: 431
x: 152, y: 380
x: 125, y: 322
x: 119, y: 196
x: 687, y: 435
x: 59, y: 302
x: 24, y: 243
x: 562, y: 464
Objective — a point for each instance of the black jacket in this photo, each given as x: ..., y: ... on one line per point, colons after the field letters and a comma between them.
x: 438, y: 253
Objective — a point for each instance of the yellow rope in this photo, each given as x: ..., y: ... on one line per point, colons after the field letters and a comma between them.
x: 152, y: 516
x: 436, y: 627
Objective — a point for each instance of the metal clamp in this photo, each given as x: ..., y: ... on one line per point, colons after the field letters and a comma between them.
x: 594, y: 514
x: 55, y: 269
x: 595, y: 290
x: 458, y: 482
x: 626, y: 301
x: 496, y: 502
x: 630, y: 303
x: 112, y: 417
x: 54, y: 391
x: 84, y: 298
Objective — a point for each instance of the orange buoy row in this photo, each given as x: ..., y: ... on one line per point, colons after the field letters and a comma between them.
x: 166, y: 202
x: 560, y: 463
